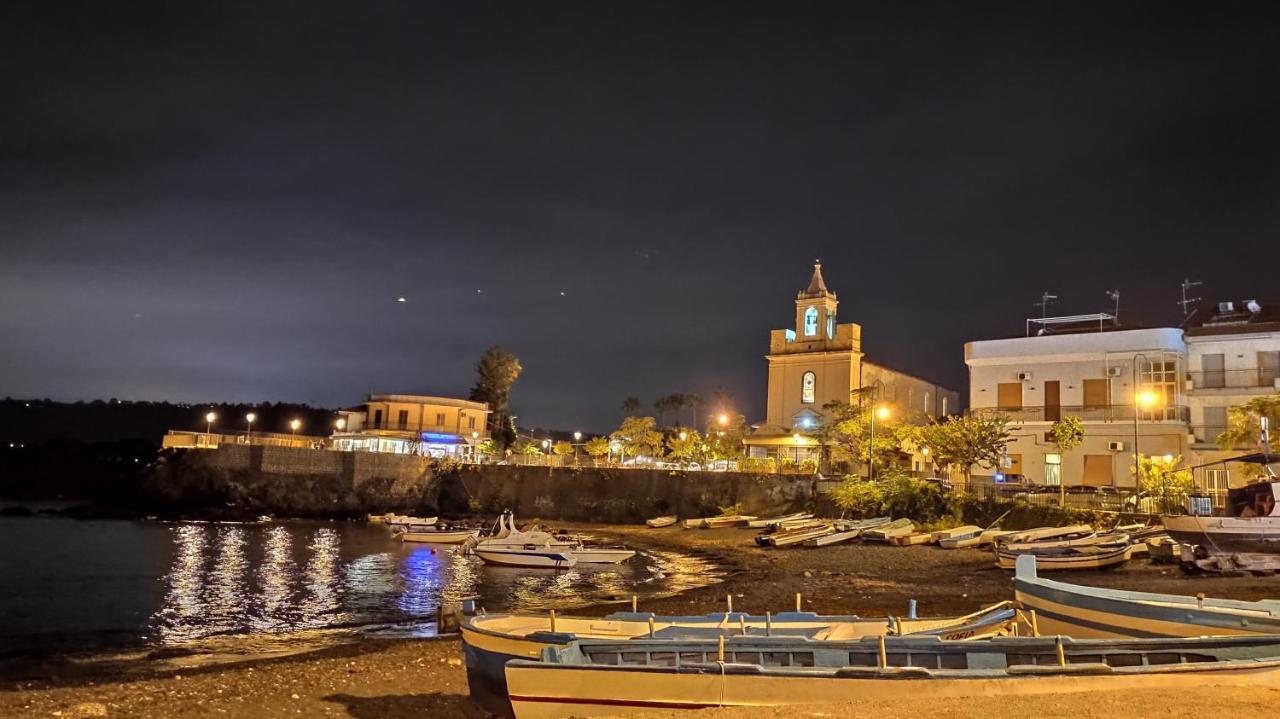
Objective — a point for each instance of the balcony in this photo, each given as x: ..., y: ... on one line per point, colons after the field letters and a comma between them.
x: 1110, y: 413
x: 1250, y: 378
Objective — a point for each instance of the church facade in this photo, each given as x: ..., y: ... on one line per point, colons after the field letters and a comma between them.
x: 818, y: 361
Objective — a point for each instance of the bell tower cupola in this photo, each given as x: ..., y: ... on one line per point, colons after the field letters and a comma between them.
x: 816, y: 309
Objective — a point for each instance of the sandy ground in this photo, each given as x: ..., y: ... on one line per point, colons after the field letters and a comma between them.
x: 424, y: 678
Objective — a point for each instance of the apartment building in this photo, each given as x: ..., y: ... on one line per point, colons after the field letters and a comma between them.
x: 413, y: 424
x: 1125, y: 385
x: 1233, y: 356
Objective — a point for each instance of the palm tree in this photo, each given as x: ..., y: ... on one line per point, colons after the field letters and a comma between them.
x: 693, y: 401
x: 663, y: 405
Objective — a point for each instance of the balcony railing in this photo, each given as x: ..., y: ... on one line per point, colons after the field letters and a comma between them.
x: 1110, y: 413
x: 1264, y: 377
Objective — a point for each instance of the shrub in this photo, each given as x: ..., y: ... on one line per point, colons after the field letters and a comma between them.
x: 859, y: 497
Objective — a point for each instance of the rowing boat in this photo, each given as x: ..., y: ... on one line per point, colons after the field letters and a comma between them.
x: 438, y: 536
x: 489, y: 641
x: 787, y: 537
x: 775, y: 521
x: 957, y: 533
x: 885, y: 532
x: 609, y: 678
x: 988, y: 537
x: 1094, y: 612
x: 911, y: 540
x: 1068, y: 557
x: 1044, y: 534
x: 666, y: 521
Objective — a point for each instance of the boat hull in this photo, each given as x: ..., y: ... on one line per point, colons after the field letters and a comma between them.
x: 534, y: 559
x: 548, y: 689
x: 1096, y: 613
x: 438, y: 537
x: 658, y: 522
x: 602, y: 556
x: 1072, y: 560
x: 1226, y: 535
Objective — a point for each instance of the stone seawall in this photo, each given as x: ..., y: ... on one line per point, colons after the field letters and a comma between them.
x: 293, y: 482
x: 616, y: 495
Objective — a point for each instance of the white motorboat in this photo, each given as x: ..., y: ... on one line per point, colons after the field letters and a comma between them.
x: 534, y: 557
x: 601, y: 555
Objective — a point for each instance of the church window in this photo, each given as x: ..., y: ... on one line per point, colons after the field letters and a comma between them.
x: 807, y: 386
x: 811, y: 322
x: 831, y: 325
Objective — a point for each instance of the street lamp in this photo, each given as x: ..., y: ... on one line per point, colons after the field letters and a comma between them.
x: 208, y: 427
x: 882, y: 412
x: 340, y: 423
x: 249, y: 418
x: 723, y: 419
x: 1142, y: 399
x: 797, y: 438
x: 294, y: 424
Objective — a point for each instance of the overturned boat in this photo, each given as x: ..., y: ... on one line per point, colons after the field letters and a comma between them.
x: 489, y: 641
x: 608, y: 678
x: 1094, y: 612
x: 658, y: 522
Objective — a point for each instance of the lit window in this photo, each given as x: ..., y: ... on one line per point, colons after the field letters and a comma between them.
x: 439, y: 419
x: 811, y: 322
x: 808, y: 384
x: 831, y: 325
x: 790, y: 335
x: 1053, y: 469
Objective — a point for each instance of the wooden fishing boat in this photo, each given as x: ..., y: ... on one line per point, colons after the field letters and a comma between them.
x: 957, y: 533
x: 1229, y: 543
x: 987, y: 538
x: 1094, y: 612
x: 533, y: 556
x: 773, y: 521
x: 439, y: 536
x: 826, y: 540
x: 609, y: 678
x: 1088, y: 540
x: 1044, y: 534
x: 1163, y: 550
x: 666, y: 521
x: 601, y: 555
x: 845, y: 525
x: 732, y: 520
x: 911, y: 540
x: 788, y: 537
x: 489, y: 641
x: 885, y: 532
x: 1068, y: 557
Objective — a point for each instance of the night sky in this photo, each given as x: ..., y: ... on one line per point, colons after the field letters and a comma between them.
x: 223, y: 201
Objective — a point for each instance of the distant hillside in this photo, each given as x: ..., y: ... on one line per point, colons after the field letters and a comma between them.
x: 32, y: 421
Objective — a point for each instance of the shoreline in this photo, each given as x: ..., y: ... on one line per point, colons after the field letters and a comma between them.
x: 391, y: 678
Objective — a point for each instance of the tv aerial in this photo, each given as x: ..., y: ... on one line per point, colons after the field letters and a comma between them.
x: 1188, y: 301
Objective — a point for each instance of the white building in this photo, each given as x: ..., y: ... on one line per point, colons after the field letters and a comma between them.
x: 1233, y: 356
x: 1089, y: 368
x: 414, y: 424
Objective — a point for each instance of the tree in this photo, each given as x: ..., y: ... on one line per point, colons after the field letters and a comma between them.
x: 630, y: 406
x: 1244, y: 428
x: 669, y: 403
x: 596, y: 447
x: 685, y: 444
x: 527, y: 446
x: 562, y: 448
x: 638, y: 436
x: 966, y: 440
x: 1067, y: 433
x: 693, y: 402
x: 488, y: 446
x: 496, y: 372
x: 725, y: 442
x: 1163, y: 478
x: 845, y: 435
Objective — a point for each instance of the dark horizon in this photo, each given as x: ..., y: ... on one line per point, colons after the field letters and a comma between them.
x: 226, y: 202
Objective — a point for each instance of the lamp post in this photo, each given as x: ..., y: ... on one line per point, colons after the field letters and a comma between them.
x: 294, y: 424
x: 208, y: 427
x: 1142, y: 399
x: 546, y: 450
x: 883, y: 412
x: 577, y: 442
x: 248, y: 418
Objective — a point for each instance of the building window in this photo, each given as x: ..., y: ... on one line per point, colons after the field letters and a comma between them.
x: 944, y: 406
x: 439, y: 419
x: 1053, y: 469
x: 811, y: 322
x: 377, y: 419
x: 831, y: 325
x: 927, y: 408
x: 402, y: 419
x: 471, y: 422
x: 1161, y: 377
x: 808, y: 386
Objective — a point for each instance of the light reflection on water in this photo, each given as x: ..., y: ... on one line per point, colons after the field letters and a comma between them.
x: 272, y: 578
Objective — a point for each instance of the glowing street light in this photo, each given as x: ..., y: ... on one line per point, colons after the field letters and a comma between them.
x: 577, y: 436
x: 882, y: 412
x: 684, y: 436
x: 723, y: 419
x: 340, y: 423
x: 249, y: 418
x: 294, y: 424
x: 208, y: 426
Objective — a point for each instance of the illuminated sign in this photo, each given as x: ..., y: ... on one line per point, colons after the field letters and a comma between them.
x: 438, y: 438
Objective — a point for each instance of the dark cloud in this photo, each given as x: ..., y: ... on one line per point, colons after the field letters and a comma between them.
x: 224, y: 200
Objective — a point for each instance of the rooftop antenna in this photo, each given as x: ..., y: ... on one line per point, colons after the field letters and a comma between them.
x: 1188, y: 301
x: 1114, y: 296
x: 1046, y: 299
